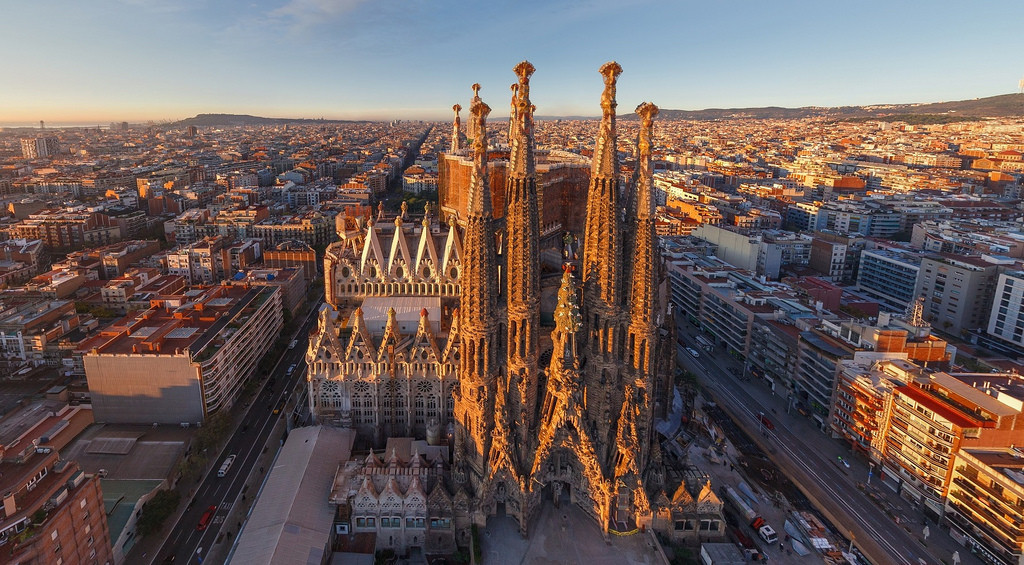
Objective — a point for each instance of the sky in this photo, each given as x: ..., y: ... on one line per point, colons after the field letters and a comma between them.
x: 98, y: 61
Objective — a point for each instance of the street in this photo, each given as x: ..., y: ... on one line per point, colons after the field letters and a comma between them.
x: 811, y: 459
x: 185, y: 542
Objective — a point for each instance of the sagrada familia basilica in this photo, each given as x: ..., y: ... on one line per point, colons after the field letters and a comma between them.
x: 447, y: 342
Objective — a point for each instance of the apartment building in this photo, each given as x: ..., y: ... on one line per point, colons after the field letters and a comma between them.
x: 51, y: 511
x: 212, y: 259
x: 183, y: 359
x: 72, y: 229
x: 40, y: 147
x: 889, y: 276
x: 313, y: 228
x: 1006, y: 319
x: 936, y: 414
x: 957, y: 290
x: 985, y: 505
x: 292, y: 254
x: 31, y: 325
x: 863, y: 399
x: 835, y: 256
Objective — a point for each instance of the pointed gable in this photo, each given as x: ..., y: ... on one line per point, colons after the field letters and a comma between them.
x: 400, y: 259
x: 451, y: 348
x: 366, y: 499
x: 391, y: 343
x: 425, y: 341
x: 427, y: 260
x: 439, y: 502
x: 372, y: 260
x: 360, y: 345
x: 324, y: 345
x: 707, y: 500
x: 391, y: 497
x: 682, y: 498
x: 452, y: 253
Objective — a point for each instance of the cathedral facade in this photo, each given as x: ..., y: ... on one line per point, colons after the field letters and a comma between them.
x: 529, y: 412
x: 580, y: 427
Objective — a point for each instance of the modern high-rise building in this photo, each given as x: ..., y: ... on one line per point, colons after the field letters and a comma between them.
x: 39, y: 147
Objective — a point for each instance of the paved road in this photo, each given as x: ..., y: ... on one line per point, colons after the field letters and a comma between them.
x: 185, y: 542
x: 798, y: 452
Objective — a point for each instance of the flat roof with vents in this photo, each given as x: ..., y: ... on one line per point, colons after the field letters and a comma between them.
x: 220, y: 302
x: 145, y: 331
x: 111, y: 445
x: 182, y: 333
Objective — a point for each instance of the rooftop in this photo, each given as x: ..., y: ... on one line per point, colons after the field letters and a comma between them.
x: 292, y: 516
x: 175, y: 330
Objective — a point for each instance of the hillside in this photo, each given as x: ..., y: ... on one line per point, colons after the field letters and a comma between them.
x: 1005, y: 105
x: 217, y: 120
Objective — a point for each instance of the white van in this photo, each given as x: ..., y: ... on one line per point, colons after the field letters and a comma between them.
x: 768, y: 534
x: 226, y: 465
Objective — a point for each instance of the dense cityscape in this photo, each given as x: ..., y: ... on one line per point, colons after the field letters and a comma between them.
x: 506, y: 337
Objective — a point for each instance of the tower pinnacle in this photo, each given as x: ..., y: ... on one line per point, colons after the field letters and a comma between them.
x: 473, y: 132
x: 456, y: 130
x: 479, y: 190
x: 512, y: 111
x: 606, y: 162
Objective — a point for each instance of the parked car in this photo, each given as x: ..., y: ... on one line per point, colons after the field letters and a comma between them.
x: 765, y: 421
x: 693, y: 352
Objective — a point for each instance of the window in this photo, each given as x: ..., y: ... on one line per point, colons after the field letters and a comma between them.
x: 360, y: 522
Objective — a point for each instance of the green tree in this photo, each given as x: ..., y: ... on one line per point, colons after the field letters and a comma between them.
x: 157, y: 510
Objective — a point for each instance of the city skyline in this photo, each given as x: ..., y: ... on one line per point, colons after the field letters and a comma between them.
x: 137, y: 60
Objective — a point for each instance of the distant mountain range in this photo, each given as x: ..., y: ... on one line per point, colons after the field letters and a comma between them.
x: 216, y: 120
x: 1005, y: 105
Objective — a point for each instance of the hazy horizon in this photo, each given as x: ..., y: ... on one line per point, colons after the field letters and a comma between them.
x: 141, y: 60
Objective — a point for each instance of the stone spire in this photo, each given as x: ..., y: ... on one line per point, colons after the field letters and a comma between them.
x: 602, y: 273
x: 606, y: 160
x: 644, y: 257
x: 456, y: 130
x: 512, y: 113
x: 473, y: 131
x: 479, y: 345
x: 602, y: 245
x: 522, y: 221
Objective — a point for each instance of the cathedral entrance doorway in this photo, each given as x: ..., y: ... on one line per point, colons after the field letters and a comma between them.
x: 499, y: 509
